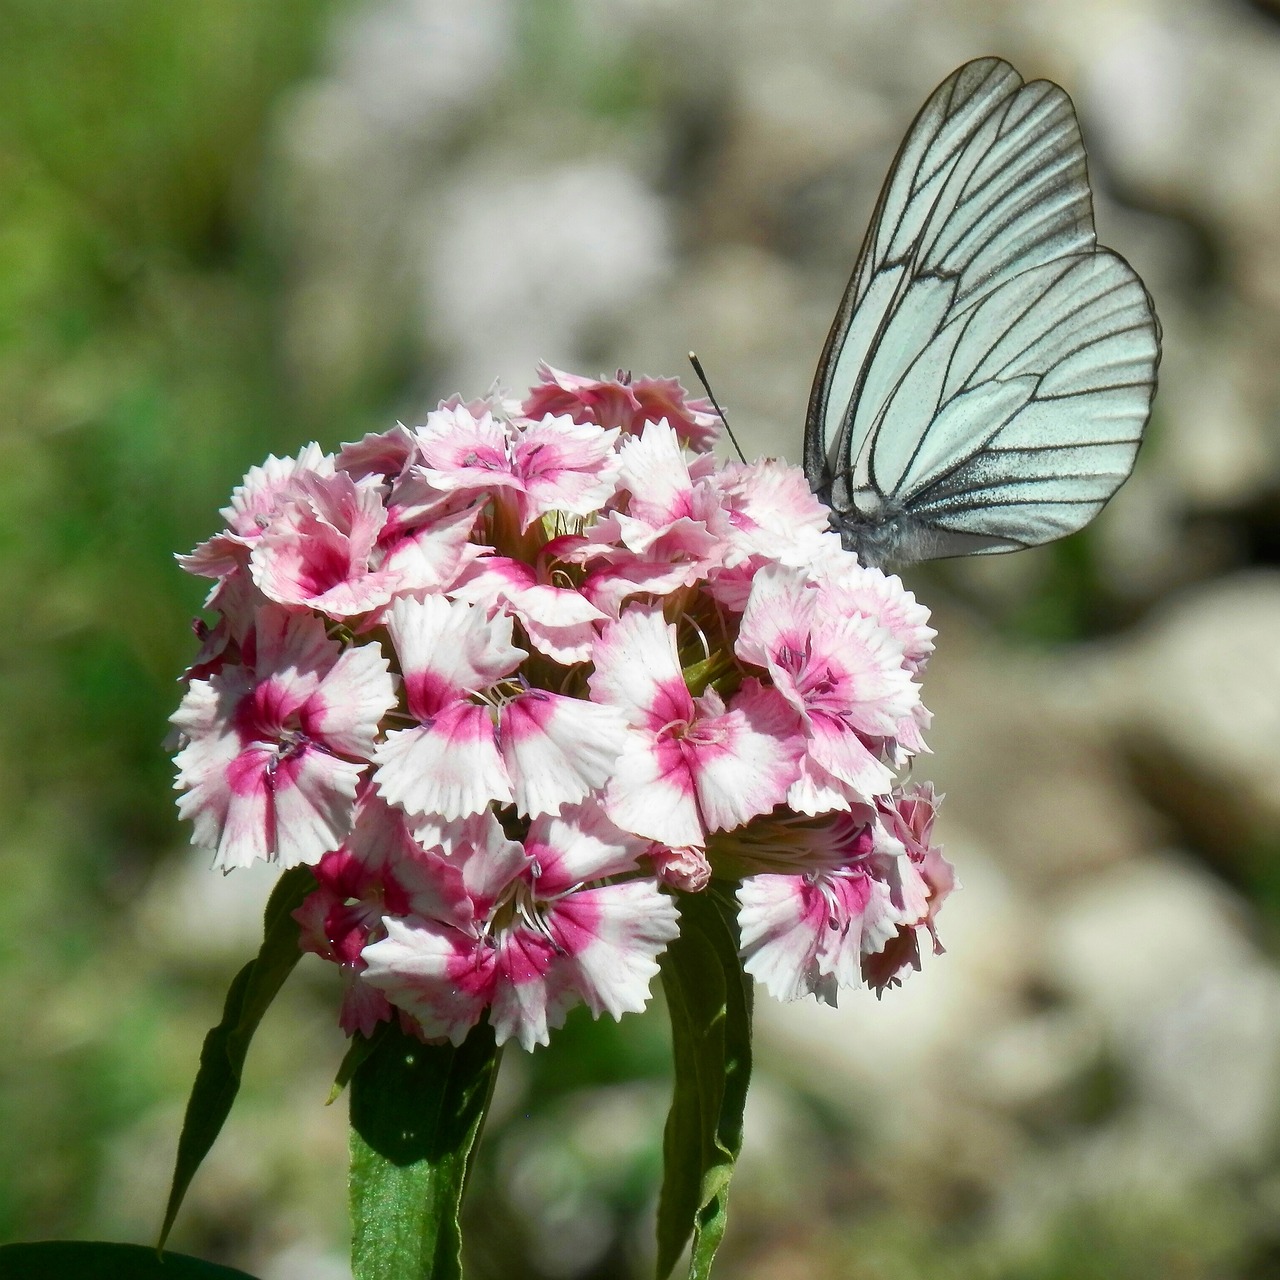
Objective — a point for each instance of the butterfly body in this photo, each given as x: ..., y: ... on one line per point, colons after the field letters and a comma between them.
x: 989, y: 372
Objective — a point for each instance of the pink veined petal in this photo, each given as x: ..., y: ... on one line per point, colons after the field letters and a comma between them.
x: 316, y: 550
x: 203, y: 766
x: 466, y: 453
x: 862, y: 921
x: 682, y: 539
x: 393, y: 873
x: 815, y: 790
x: 545, y: 607
x: 610, y: 585
x: 494, y: 578
x: 429, y: 558
x: 772, y: 512
x: 577, y: 845
x: 241, y: 604
x: 559, y: 622
x: 415, y: 503
x: 610, y: 939
x: 637, y: 670
x: 258, y: 496
x: 746, y: 758
x: 254, y: 501
x: 449, y: 767
x: 557, y: 749
x: 314, y: 804
x: 841, y: 754
x: 566, y: 645
x: 218, y: 556
x: 858, y: 673
x: 248, y: 827
x: 554, y: 607
x: 356, y: 694
x: 448, y: 649
x: 609, y: 402
x: 204, y: 720
x: 803, y: 935
x: 523, y: 1007
x: 782, y: 919
x: 235, y: 810
x: 381, y: 453
x: 694, y: 421
x: 779, y: 615
x: 489, y: 861
x: 363, y: 1007
x: 849, y: 587
x: 655, y: 473
x: 652, y: 794
x: 441, y: 977
x: 294, y: 650
x: 565, y: 466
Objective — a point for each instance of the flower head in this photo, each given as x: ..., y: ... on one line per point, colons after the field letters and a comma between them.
x: 514, y: 679
x: 274, y: 748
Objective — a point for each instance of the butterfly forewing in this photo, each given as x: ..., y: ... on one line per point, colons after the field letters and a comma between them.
x: 987, y: 377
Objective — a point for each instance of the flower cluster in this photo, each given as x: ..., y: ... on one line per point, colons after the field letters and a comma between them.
x: 511, y: 680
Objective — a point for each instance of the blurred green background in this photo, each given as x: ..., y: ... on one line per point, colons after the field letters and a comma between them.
x: 228, y: 227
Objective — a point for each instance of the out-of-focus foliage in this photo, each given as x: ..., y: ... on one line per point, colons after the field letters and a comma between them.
x: 139, y: 370
x: 229, y: 227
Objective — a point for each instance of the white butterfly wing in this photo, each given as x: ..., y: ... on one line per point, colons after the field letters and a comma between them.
x: 988, y: 375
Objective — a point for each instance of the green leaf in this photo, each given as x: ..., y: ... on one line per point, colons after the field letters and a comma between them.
x: 416, y: 1115
x: 94, y: 1260
x: 222, y: 1058
x: 709, y: 1000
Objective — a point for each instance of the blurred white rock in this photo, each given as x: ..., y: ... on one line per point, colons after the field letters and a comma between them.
x: 523, y: 268
x: 1200, y: 683
x: 410, y: 65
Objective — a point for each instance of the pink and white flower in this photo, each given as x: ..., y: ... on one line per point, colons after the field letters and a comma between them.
x: 557, y: 618
x: 806, y: 934
x: 274, y: 749
x: 843, y: 675
x: 926, y: 882
x: 554, y: 464
x: 628, y: 403
x: 690, y: 765
x: 379, y: 870
x: 550, y: 937
x: 770, y: 517
x: 669, y: 536
x: 475, y: 742
x: 317, y: 549
x: 254, y: 503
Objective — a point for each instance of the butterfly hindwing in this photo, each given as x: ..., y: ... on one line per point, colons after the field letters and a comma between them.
x: 988, y: 374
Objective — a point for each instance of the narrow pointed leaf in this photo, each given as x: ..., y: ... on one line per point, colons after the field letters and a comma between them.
x: 222, y: 1057
x: 709, y: 999
x: 416, y: 1115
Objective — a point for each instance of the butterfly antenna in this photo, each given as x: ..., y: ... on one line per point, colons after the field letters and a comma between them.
x: 715, y: 404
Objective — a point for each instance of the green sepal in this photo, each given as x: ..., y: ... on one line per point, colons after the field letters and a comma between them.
x: 222, y: 1056
x: 357, y: 1051
x: 416, y: 1115
x: 709, y: 999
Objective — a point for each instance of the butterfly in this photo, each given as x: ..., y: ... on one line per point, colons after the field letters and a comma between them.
x: 987, y: 378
